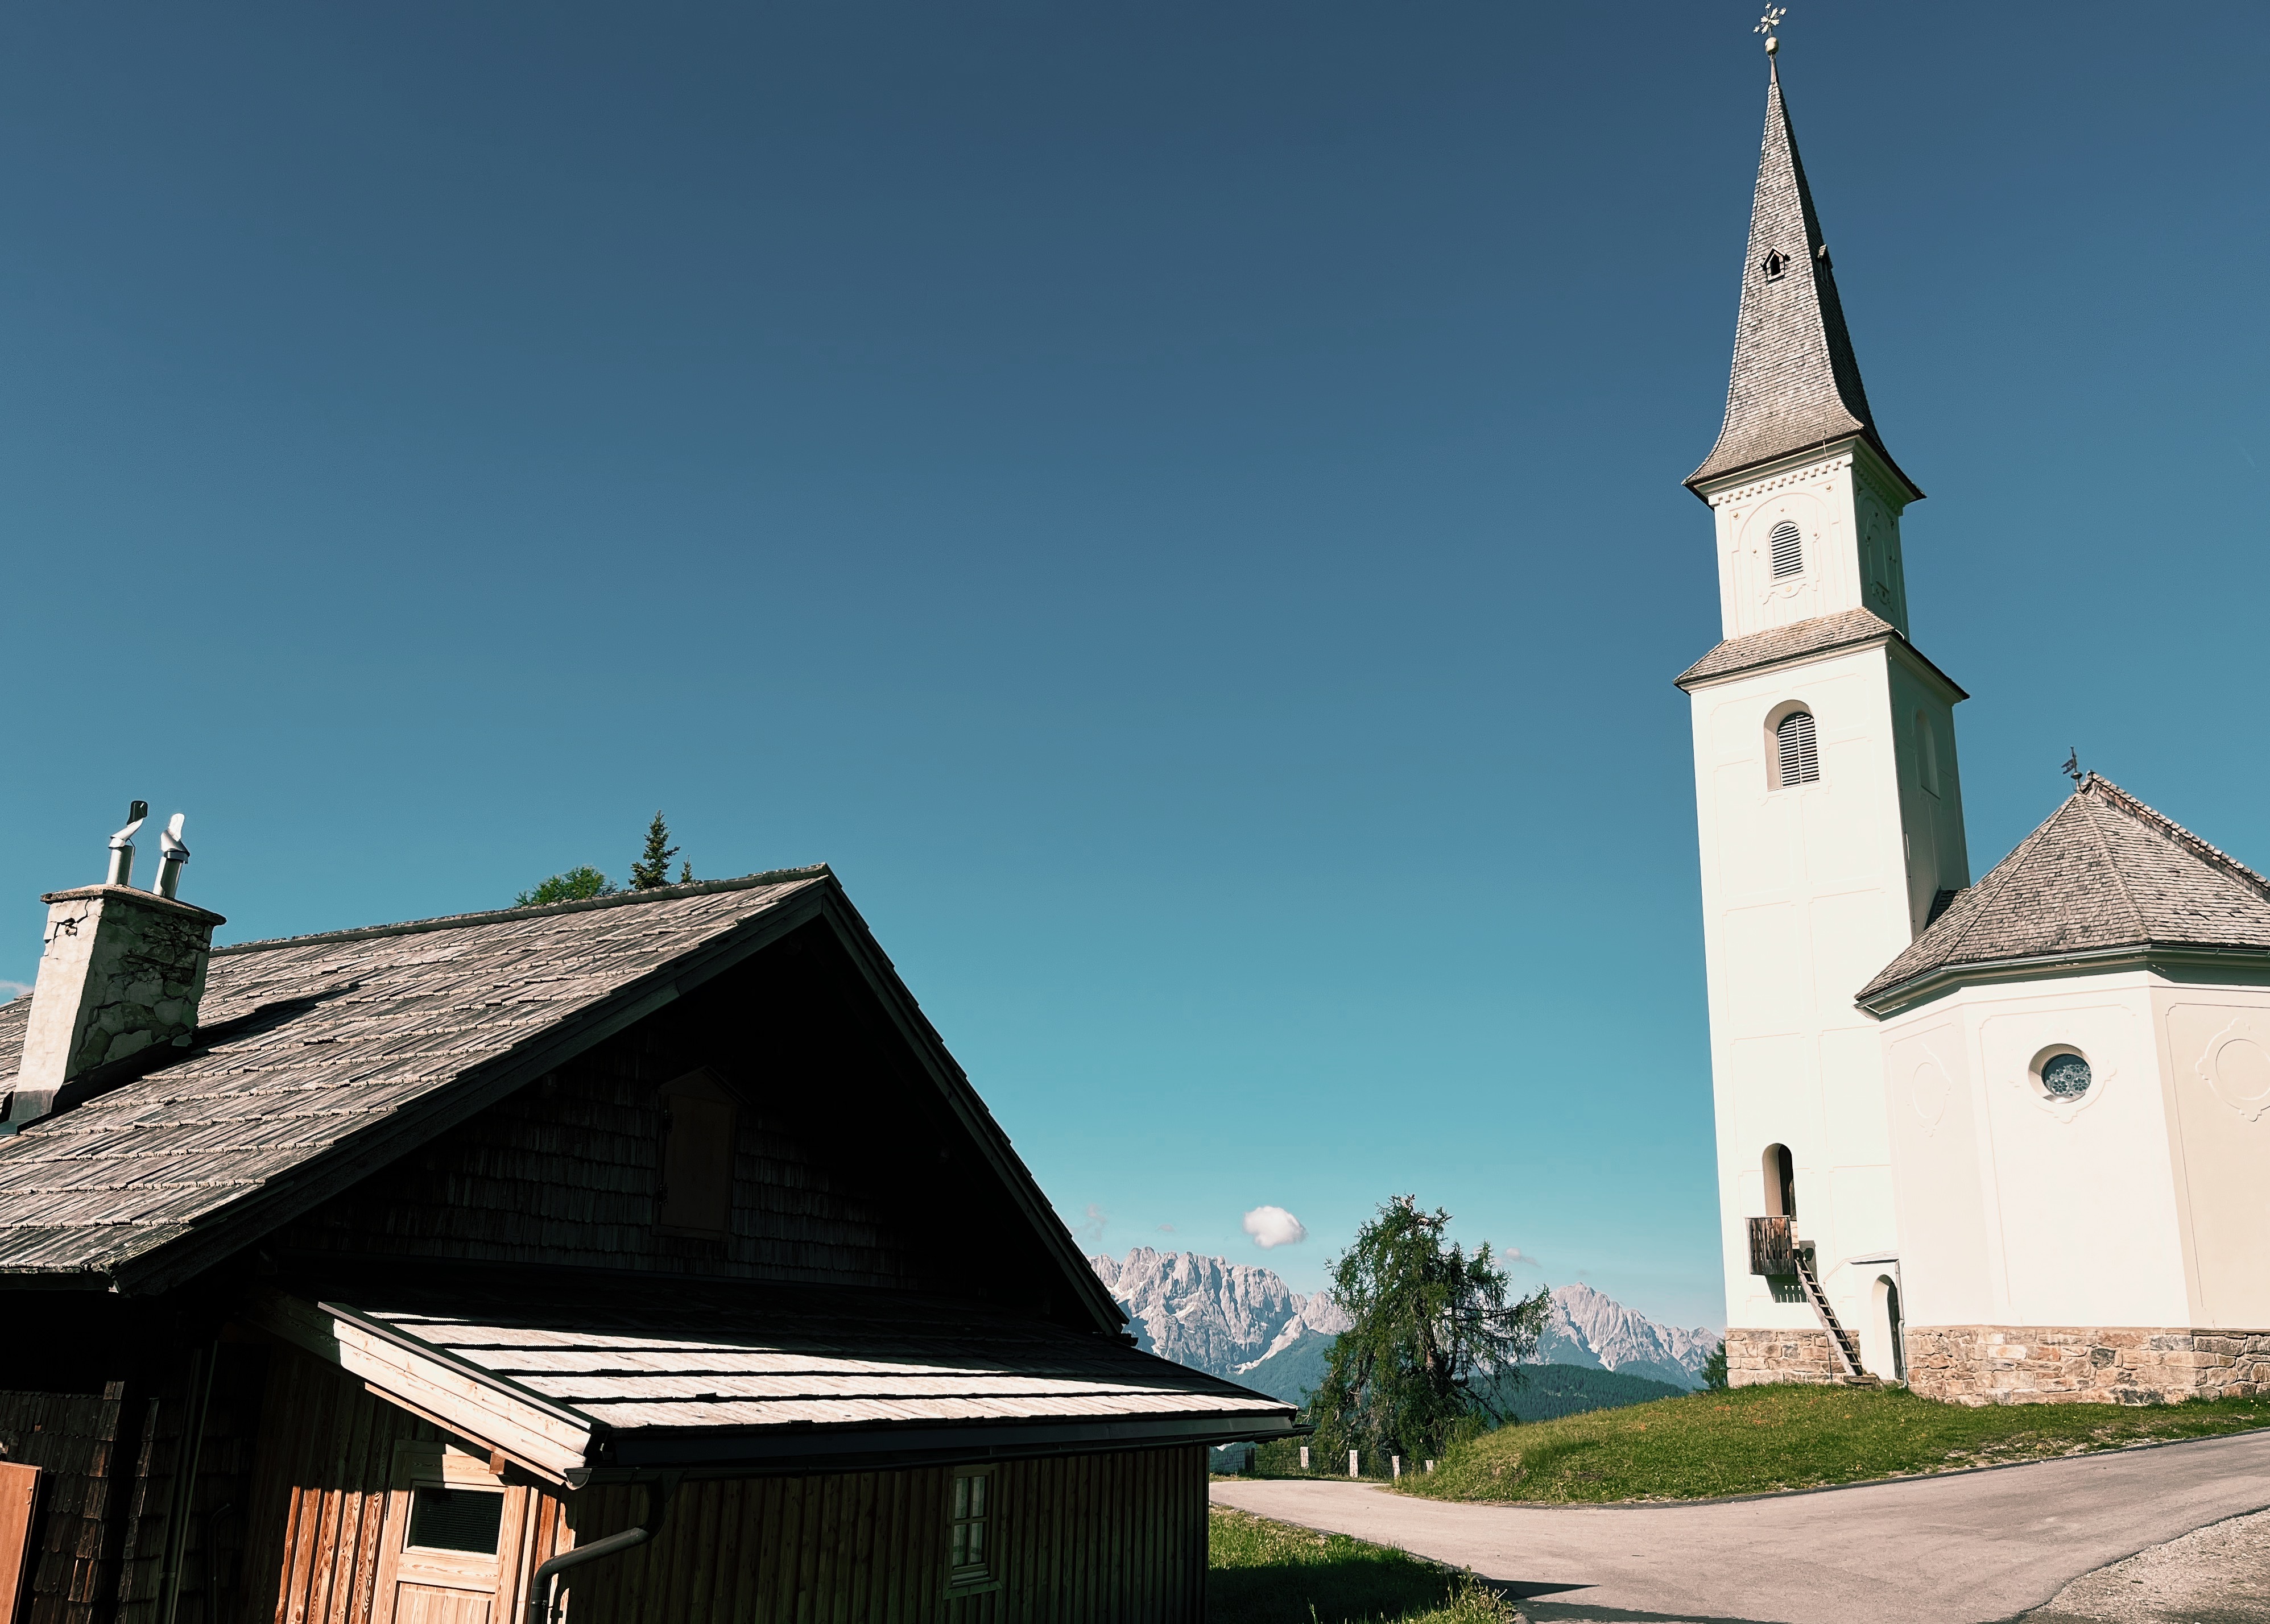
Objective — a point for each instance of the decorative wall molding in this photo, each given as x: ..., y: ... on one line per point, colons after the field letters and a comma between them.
x: 1931, y: 1089
x: 2234, y: 1064
x: 1802, y: 474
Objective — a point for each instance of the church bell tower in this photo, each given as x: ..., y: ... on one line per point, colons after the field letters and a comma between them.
x: 1828, y: 799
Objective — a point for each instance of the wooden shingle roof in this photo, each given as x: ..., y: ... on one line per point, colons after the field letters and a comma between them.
x: 315, y: 1051
x: 321, y: 1058
x: 2104, y: 875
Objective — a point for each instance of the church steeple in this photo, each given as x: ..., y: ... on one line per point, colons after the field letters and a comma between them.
x: 1796, y: 384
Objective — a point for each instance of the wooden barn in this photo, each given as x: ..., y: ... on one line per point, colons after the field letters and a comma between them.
x: 646, y: 1259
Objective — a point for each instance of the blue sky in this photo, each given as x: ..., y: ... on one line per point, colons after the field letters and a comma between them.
x: 1179, y: 504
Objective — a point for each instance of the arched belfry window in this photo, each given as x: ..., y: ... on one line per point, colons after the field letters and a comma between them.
x: 1797, y: 757
x: 1787, y: 543
x: 1774, y: 264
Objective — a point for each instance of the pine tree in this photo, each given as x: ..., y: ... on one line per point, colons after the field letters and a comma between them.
x: 651, y: 872
x: 1434, y: 1342
x: 1714, y: 1369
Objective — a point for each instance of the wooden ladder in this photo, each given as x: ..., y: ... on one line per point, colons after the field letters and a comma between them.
x: 1843, y: 1346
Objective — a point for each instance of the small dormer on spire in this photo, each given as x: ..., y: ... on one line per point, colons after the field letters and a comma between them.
x: 1796, y: 384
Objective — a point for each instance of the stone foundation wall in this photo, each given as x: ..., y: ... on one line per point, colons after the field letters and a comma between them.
x: 1754, y: 1357
x: 2061, y: 1364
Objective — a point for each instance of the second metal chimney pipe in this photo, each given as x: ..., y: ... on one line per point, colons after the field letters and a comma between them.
x: 171, y: 855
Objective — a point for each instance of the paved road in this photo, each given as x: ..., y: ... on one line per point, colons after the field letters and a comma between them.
x: 1961, y: 1549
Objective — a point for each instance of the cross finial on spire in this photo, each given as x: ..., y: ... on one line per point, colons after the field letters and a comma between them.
x: 1769, y: 25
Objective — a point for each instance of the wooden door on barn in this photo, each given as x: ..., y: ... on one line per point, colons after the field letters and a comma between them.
x: 453, y: 1539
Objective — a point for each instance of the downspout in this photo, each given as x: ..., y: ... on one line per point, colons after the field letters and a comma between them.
x: 542, y: 1605
x: 186, y: 1460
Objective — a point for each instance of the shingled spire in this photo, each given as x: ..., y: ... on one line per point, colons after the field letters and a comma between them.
x: 1796, y: 384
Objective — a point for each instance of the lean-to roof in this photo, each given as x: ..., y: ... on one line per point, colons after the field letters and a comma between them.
x: 726, y: 1377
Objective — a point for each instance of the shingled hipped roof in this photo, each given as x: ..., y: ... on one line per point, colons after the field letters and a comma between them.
x: 320, y: 1058
x: 1796, y: 383
x: 2104, y: 873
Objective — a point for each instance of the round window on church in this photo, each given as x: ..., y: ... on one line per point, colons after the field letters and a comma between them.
x: 2063, y: 1073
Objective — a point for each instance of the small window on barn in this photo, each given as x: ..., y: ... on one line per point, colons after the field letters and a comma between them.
x: 1796, y: 753
x: 455, y: 1519
x: 969, y: 1548
x: 699, y: 1120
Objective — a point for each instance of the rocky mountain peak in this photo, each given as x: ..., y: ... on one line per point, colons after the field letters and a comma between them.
x: 1210, y: 1313
x: 1228, y: 1318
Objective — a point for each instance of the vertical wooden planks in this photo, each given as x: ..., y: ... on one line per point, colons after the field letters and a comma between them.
x: 1108, y: 1538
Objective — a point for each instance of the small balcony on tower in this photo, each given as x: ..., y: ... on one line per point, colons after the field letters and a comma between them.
x: 1773, y: 1246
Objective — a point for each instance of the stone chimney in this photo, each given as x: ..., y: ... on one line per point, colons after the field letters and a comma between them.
x: 120, y: 980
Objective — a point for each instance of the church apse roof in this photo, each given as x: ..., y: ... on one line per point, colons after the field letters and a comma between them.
x: 1796, y: 382
x: 2104, y: 873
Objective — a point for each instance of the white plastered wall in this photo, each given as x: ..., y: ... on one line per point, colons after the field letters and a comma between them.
x: 2215, y: 1052
x: 2017, y: 1209
x: 1805, y: 897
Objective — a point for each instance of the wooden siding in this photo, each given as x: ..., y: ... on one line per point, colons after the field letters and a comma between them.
x: 566, y: 1172
x: 211, y: 1541
x: 1111, y: 1539
x: 81, y: 1527
x: 1116, y: 1539
x: 325, y: 1482
x: 320, y: 1477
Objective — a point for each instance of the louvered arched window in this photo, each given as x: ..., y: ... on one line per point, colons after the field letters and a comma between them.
x: 1788, y: 545
x: 1799, y: 757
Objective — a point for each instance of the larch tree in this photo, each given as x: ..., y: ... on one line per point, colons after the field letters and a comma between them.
x: 1435, y: 1336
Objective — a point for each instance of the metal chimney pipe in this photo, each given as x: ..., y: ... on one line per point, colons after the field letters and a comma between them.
x: 171, y: 855
x: 121, y: 846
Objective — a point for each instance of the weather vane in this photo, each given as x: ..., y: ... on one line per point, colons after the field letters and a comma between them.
x: 2072, y: 768
x: 1769, y: 25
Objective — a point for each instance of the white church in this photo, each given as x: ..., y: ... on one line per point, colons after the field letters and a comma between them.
x: 2005, y: 1142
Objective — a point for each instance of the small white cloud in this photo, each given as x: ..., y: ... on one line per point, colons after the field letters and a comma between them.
x: 15, y: 989
x: 1166, y: 1229
x: 1273, y: 1225
x: 1514, y: 1257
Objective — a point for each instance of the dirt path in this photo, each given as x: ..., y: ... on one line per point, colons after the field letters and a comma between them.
x: 1967, y: 1548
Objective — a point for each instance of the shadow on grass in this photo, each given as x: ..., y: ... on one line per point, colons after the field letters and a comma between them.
x: 1352, y: 1592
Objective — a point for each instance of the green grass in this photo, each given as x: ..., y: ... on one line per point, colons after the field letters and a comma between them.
x: 1260, y: 1572
x: 1758, y: 1440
